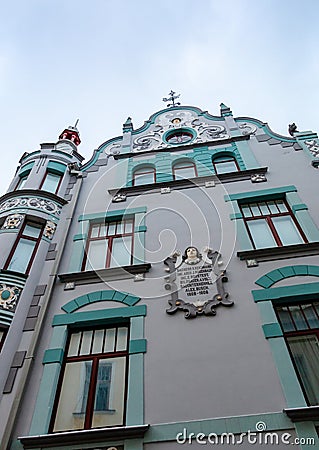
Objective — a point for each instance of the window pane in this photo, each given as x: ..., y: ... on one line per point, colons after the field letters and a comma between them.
x: 98, y: 341
x: 254, y: 209
x: 51, y: 182
x: 285, y: 318
x: 272, y: 207
x: 128, y: 226
x: 22, y: 255
x: 184, y: 172
x: 264, y: 208
x: 261, y: 234
x: 86, y: 342
x: 305, y: 352
x: 103, y: 230
x: 225, y: 167
x: 287, y: 230
x: 95, y: 231
x: 281, y: 206
x: 73, y: 396
x: 109, y: 394
x: 32, y: 231
x: 143, y: 178
x: 96, y: 257
x: 74, y: 344
x: 246, y: 211
x: 120, y: 228
x: 121, y: 341
x: 111, y: 229
x: 22, y: 182
x: 109, y: 340
x: 298, y: 318
x: 310, y: 316
x: 121, y: 251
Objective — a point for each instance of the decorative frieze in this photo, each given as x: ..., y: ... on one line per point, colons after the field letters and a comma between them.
x: 41, y: 204
x: 313, y: 147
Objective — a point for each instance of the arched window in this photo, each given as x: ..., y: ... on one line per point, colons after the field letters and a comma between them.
x: 225, y: 164
x: 185, y: 169
x: 144, y: 175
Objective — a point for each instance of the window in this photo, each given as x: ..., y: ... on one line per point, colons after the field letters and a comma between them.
x: 271, y: 223
x: 21, y: 182
x: 92, y: 385
x: 145, y: 175
x: 24, y: 249
x: 179, y: 137
x: 51, y: 182
x: 110, y: 244
x: 183, y: 170
x: 300, y: 324
x: 225, y: 164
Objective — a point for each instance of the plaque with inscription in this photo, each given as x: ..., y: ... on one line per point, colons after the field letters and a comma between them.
x: 196, y: 283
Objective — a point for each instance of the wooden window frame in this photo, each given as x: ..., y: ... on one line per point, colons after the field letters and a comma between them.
x: 187, y: 165
x: 144, y: 171
x: 229, y: 158
x: 268, y: 218
x: 60, y: 175
x: 95, y: 358
x: 29, y: 238
x: 296, y: 332
x: 109, y: 238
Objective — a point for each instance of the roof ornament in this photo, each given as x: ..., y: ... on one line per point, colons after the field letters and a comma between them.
x: 172, y: 97
x: 292, y: 129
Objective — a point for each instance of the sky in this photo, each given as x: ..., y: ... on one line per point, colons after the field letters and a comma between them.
x: 101, y: 61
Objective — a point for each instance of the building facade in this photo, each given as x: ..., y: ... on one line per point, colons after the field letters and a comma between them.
x: 165, y: 292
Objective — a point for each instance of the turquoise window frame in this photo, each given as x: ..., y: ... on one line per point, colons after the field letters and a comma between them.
x: 289, y: 193
x: 54, y: 356
x: 85, y: 220
x: 266, y: 299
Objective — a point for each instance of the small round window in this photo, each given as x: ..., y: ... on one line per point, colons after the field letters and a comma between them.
x: 179, y: 137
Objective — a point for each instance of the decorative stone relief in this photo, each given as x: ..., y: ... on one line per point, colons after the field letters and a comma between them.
x: 49, y: 229
x: 9, y: 296
x: 119, y: 198
x: 48, y: 206
x: 258, y: 178
x: 148, y: 142
x: 247, y: 128
x: 209, y: 133
x: 313, y: 147
x: 165, y: 190
x: 13, y: 221
x: 196, y: 283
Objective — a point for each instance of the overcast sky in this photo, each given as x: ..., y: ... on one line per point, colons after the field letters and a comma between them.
x: 102, y: 61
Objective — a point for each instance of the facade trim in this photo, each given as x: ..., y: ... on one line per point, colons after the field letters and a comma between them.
x: 270, y: 278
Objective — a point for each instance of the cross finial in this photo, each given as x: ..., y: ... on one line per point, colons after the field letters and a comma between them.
x: 172, y: 97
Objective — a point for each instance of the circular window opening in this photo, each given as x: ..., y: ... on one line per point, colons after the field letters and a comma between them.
x: 179, y: 137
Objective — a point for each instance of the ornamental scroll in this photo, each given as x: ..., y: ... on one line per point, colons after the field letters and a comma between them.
x: 196, y: 283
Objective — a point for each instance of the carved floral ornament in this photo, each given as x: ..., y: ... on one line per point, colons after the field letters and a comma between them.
x: 196, y: 283
x: 9, y: 296
x: 41, y: 204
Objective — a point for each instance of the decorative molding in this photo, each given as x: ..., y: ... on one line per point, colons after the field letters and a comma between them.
x: 247, y: 129
x: 83, y: 436
x: 313, y: 147
x: 274, y: 253
x: 38, y: 203
x: 49, y: 229
x: 197, y: 279
x: 97, y: 276
x: 13, y: 221
x: 258, y: 178
x: 9, y: 295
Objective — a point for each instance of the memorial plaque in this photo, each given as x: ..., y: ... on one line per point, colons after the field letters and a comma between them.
x: 196, y: 283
